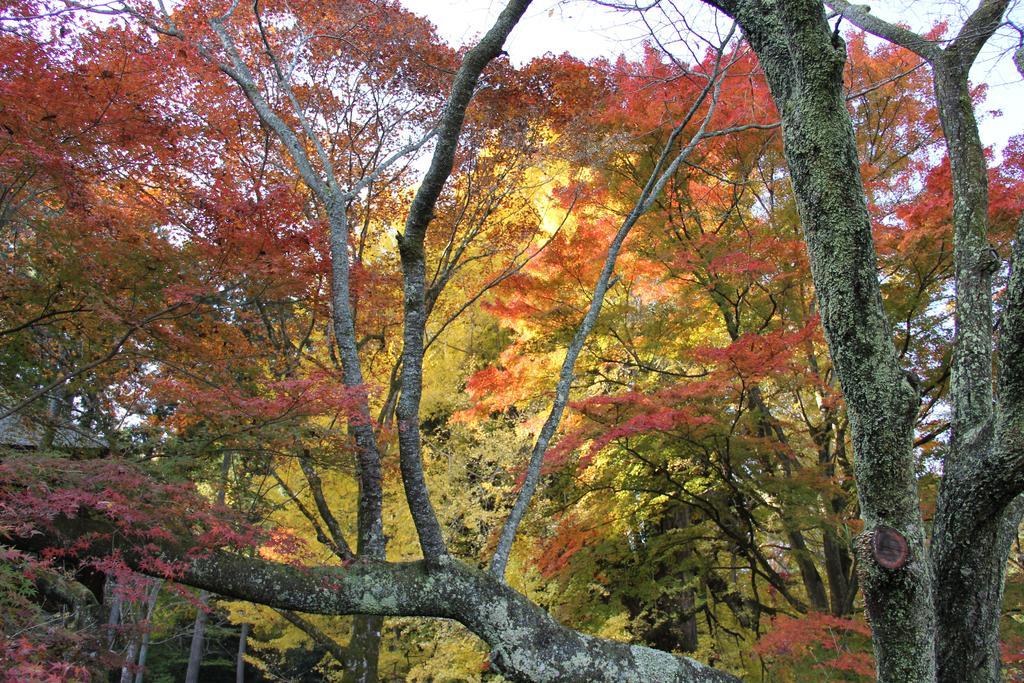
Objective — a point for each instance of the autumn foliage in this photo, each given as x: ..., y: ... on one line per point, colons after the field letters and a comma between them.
x: 165, y: 291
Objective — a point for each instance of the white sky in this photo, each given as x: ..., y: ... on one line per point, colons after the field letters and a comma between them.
x: 586, y: 30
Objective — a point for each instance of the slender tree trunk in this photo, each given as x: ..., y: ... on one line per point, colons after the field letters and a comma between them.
x: 842, y: 584
x: 195, y: 652
x: 243, y: 638
x: 129, y: 661
x: 967, y: 556
x: 769, y: 427
x: 969, y: 551
x: 127, y: 617
x: 370, y: 539
x: 114, y: 615
x: 148, y: 634
x: 809, y: 573
x: 837, y: 568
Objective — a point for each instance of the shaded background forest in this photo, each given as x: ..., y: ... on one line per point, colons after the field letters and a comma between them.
x: 165, y: 309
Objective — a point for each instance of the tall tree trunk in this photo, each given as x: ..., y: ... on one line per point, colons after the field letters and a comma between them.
x: 973, y: 524
x: 838, y: 566
x: 968, y: 553
x: 803, y: 62
x: 243, y: 640
x: 148, y: 634
x: 363, y: 651
x: 195, y: 652
x: 129, y: 661
x: 809, y: 573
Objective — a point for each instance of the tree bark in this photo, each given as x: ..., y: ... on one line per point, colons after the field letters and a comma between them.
x: 412, y: 251
x: 970, y: 539
x: 148, y: 634
x: 195, y: 651
x: 243, y: 642
x: 803, y: 63
x: 363, y: 649
x: 970, y: 543
x: 969, y: 552
x: 526, y: 642
x: 129, y: 661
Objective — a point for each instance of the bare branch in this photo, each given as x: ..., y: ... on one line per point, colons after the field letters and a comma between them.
x: 976, y: 31
x: 321, y: 535
x: 239, y: 72
x: 317, y: 490
x: 663, y: 170
x: 81, y: 370
x: 285, y: 84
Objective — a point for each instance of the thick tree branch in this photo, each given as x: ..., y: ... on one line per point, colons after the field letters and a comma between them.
x: 976, y: 31
x: 1008, y: 468
x: 526, y: 642
x: 860, y: 16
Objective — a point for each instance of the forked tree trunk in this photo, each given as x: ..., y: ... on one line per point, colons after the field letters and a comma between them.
x: 803, y: 64
x: 973, y: 524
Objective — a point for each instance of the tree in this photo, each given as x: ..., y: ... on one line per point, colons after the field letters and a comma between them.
x: 491, y: 609
x: 971, y: 539
x: 275, y: 59
x: 802, y: 62
x: 689, y: 412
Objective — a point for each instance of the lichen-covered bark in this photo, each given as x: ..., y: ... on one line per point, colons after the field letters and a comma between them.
x: 971, y: 536
x: 969, y: 544
x: 526, y: 642
x: 984, y: 475
x: 803, y: 65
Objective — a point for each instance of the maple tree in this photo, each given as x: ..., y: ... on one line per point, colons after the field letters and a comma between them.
x: 201, y: 278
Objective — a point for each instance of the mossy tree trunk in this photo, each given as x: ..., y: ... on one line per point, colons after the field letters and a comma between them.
x: 803, y: 64
x: 933, y: 617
